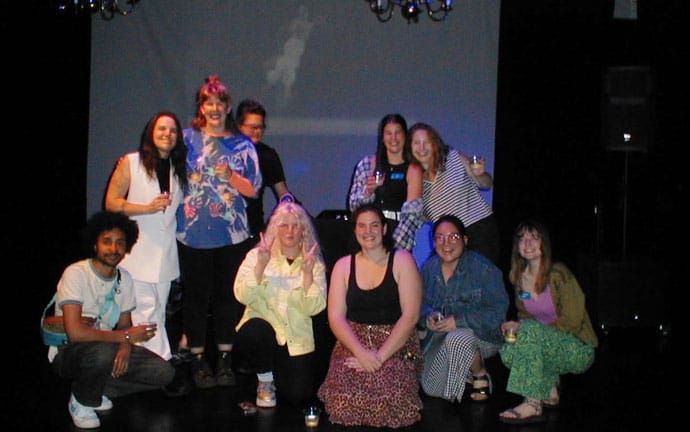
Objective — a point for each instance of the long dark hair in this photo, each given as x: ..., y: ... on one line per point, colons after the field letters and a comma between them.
x: 381, y: 154
x: 148, y: 154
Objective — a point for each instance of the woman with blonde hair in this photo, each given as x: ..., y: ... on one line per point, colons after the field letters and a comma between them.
x: 282, y: 283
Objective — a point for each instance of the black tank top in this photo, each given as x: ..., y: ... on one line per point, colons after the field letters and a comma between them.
x: 393, y: 193
x: 380, y: 305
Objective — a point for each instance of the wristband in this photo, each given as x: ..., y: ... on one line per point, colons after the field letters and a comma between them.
x: 128, y: 338
x: 288, y: 197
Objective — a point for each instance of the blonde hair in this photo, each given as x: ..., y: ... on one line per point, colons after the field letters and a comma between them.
x: 309, y: 235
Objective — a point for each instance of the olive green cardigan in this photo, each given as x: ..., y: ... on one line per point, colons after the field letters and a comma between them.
x: 569, y: 301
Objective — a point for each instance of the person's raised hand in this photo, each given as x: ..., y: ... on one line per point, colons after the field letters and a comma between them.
x: 264, y: 250
x: 308, y: 258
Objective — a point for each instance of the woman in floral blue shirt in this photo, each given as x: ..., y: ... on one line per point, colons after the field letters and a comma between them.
x: 212, y: 228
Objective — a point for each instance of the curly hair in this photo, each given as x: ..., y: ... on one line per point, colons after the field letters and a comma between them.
x: 309, y: 235
x: 106, y: 221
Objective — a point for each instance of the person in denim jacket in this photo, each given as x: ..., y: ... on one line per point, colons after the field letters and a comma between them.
x: 463, y: 307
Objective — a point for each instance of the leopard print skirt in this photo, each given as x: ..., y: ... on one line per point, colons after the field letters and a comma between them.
x: 388, y: 397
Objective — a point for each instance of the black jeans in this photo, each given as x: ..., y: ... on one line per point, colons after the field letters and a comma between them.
x: 208, y: 276
x: 89, y: 366
x: 293, y: 375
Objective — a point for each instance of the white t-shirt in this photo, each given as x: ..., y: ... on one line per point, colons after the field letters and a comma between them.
x: 82, y: 284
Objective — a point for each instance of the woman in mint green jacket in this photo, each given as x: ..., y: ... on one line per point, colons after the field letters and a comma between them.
x: 282, y: 283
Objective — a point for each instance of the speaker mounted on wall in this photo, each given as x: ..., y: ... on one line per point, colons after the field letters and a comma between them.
x: 627, y: 108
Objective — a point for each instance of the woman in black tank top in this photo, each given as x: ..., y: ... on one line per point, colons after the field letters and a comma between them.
x: 374, y: 302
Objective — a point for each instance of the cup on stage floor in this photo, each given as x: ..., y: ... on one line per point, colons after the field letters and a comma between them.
x: 311, y: 416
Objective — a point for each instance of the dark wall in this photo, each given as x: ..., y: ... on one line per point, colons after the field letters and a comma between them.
x: 610, y: 212
x: 550, y: 158
x: 45, y: 144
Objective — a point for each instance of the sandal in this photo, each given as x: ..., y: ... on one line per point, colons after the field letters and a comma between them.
x: 516, y: 418
x: 554, y: 397
x: 481, y: 394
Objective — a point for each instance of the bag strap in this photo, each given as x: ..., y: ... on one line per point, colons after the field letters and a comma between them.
x: 109, y: 303
x: 45, y: 310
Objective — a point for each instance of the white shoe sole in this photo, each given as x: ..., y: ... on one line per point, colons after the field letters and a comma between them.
x: 265, y: 404
x: 105, y: 406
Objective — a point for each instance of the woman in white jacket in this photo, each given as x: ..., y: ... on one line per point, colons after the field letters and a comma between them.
x: 147, y: 186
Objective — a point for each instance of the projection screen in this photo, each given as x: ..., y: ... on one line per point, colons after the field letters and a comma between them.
x: 326, y: 71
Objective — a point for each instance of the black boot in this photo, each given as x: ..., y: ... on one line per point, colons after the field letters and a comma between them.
x: 224, y: 374
x: 181, y: 383
x: 201, y: 372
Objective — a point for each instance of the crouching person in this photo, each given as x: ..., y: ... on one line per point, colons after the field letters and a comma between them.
x: 95, y: 298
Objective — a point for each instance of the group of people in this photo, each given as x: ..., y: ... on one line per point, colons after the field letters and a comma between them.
x: 400, y: 329
x: 188, y: 204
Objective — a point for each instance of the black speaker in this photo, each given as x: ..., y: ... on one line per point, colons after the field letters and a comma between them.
x: 627, y: 108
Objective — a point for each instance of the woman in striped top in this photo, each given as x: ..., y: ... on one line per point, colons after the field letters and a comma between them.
x: 452, y: 187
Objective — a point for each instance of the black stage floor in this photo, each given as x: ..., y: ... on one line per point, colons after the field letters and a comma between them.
x: 628, y: 388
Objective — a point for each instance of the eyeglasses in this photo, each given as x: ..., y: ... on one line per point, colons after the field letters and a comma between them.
x: 254, y: 128
x: 450, y: 238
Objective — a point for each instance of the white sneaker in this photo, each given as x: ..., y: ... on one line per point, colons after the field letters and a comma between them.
x: 266, y: 394
x: 84, y: 417
x: 106, y: 404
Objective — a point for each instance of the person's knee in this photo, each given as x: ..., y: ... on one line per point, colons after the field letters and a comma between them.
x: 167, y: 373
x: 101, y: 356
x: 461, y: 340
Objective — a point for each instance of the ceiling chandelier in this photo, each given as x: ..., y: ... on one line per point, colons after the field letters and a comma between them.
x: 437, y: 10
x: 107, y: 8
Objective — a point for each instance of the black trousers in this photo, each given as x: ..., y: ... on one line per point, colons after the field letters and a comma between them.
x: 294, y: 376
